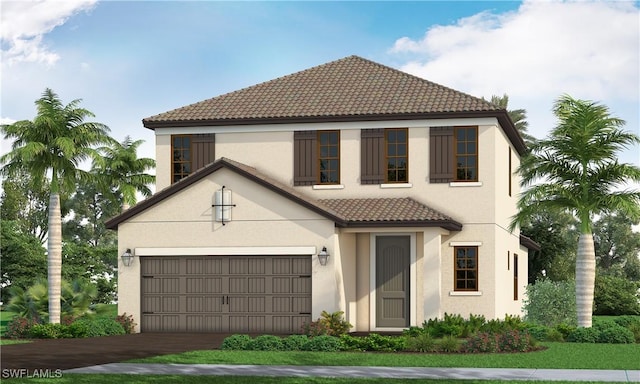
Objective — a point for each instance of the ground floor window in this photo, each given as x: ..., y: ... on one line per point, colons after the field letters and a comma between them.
x: 466, y: 268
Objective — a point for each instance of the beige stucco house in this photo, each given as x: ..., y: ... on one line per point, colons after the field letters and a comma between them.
x: 407, y: 185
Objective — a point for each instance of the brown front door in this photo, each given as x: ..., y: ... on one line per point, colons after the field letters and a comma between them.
x: 270, y: 294
x: 392, y: 281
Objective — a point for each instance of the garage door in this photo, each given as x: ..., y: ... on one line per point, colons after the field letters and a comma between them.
x: 266, y: 294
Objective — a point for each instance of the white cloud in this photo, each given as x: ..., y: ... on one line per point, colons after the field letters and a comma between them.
x: 588, y: 49
x: 24, y: 23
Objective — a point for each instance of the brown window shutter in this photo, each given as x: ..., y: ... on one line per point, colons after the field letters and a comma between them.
x: 372, y: 167
x: 304, y: 157
x: 203, y: 147
x: 441, y: 163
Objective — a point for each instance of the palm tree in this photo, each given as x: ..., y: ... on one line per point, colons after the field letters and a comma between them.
x: 123, y: 172
x: 54, y: 144
x: 577, y: 170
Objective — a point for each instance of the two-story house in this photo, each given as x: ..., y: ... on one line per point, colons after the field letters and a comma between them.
x: 348, y: 186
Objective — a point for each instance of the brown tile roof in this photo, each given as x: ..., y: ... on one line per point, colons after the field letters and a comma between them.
x: 389, y: 210
x: 344, y: 212
x: 351, y: 86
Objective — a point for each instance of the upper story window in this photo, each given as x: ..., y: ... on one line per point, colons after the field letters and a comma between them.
x: 329, y: 157
x: 181, y: 157
x: 397, y: 158
x: 466, y: 153
x: 465, y: 268
x: 453, y: 154
x: 190, y: 153
x: 316, y: 157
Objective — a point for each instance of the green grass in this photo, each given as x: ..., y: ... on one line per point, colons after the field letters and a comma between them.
x: 557, y: 356
x: 108, y: 379
x: 10, y: 341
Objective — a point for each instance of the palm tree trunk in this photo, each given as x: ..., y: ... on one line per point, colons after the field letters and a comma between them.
x: 585, y: 279
x: 54, y: 257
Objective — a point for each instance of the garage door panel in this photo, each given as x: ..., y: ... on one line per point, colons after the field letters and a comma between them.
x: 226, y: 293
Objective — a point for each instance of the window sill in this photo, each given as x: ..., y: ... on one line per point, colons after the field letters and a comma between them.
x: 465, y: 184
x: 465, y: 293
x: 328, y: 186
x: 396, y: 185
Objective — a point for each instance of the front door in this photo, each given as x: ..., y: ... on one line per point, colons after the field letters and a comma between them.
x: 392, y: 281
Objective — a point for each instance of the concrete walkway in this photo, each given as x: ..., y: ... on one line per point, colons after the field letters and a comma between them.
x: 364, y: 372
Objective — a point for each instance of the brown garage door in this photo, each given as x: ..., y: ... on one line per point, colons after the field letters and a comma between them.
x: 270, y: 294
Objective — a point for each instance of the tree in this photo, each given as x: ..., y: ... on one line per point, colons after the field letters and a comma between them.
x: 25, y: 204
x: 615, y: 242
x: 518, y: 116
x: 577, y: 170
x: 123, y: 172
x: 23, y: 259
x: 54, y: 143
x: 556, y: 232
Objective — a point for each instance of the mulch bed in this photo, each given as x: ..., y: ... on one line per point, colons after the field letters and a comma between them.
x: 74, y: 353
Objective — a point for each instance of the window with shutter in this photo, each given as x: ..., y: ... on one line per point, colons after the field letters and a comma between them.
x: 328, y: 157
x: 190, y: 153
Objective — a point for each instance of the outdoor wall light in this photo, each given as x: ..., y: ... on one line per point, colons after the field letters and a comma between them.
x: 323, y: 256
x: 127, y: 257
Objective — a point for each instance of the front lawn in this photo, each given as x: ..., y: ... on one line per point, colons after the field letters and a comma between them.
x: 558, y: 355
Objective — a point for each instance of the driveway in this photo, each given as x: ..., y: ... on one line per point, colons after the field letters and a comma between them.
x: 75, y: 353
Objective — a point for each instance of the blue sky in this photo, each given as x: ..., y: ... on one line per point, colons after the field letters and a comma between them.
x: 129, y: 60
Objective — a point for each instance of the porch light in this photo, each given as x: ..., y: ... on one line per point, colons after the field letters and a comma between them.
x: 323, y: 256
x: 127, y: 257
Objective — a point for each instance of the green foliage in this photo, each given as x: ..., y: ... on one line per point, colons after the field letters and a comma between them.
x: 616, y: 296
x: 97, y: 264
x: 449, y: 344
x: 19, y: 328
x: 294, y: 342
x: 102, y: 326
x: 127, y: 322
x: 352, y: 343
x: 236, y: 342
x: 421, y: 343
x: 616, y: 335
x: 617, y: 246
x: 565, y: 329
x: 539, y: 332
x: 323, y: 343
x: 25, y: 204
x: 23, y: 259
x: 49, y: 331
x: 550, y: 303
x: 31, y: 303
x: 584, y: 335
x: 332, y: 324
x: 377, y: 343
x: 507, y: 341
x: 266, y: 343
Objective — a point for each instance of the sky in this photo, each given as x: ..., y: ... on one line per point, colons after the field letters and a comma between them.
x: 128, y: 60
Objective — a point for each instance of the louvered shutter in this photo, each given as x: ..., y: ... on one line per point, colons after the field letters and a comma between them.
x: 203, y: 147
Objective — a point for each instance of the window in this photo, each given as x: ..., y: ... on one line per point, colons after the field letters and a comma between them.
x: 190, y: 153
x: 329, y: 157
x: 466, y: 153
x: 466, y: 268
x: 181, y: 160
x: 397, y: 159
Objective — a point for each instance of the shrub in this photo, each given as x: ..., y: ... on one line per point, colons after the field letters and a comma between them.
x: 635, y: 330
x: 616, y: 296
x: 19, y: 328
x: 266, y: 343
x: 627, y: 321
x: 421, y: 343
x: 514, y: 341
x: 449, y: 344
x: 48, y: 331
x: 78, y: 329
x: 584, y: 335
x: 352, y: 343
x: 550, y: 302
x: 616, y: 335
x: 236, y: 342
x: 102, y: 326
x: 323, y: 343
x: 540, y: 332
x: 378, y: 343
x: 482, y: 342
x: 565, y: 329
x: 127, y: 323
x: 294, y: 342
x: 555, y: 335
x: 334, y: 323
x: 314, y: 328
